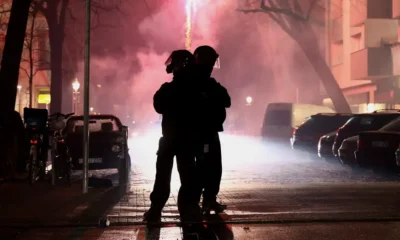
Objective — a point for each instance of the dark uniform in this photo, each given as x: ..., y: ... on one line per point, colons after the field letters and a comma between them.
x: 174, y: 101
x: 213, y: 114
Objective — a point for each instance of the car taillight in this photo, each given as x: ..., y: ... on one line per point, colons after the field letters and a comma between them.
x: 61, y: 140
x: 359, y: 144
x: 33, y: 141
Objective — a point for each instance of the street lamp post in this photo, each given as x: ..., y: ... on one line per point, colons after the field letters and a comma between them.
x: 75, y: 96
x: 249, y: 100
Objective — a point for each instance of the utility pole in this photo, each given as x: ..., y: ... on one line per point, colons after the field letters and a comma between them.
x: 12, y: 53
x: 86, y: 101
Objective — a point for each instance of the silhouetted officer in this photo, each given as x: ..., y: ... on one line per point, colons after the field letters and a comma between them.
x: 213, y: 114
x: 174, y: 100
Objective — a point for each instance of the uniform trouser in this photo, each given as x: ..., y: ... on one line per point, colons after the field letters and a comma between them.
x: 209, y: 167
x: 185, y: 158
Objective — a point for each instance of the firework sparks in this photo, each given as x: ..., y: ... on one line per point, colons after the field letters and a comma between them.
x: 190, y: 6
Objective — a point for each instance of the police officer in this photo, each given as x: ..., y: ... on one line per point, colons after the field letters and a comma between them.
x: 215, y: 101
x: 174, y: 101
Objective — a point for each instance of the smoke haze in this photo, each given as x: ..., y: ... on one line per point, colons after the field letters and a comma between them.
x: 258, y: 59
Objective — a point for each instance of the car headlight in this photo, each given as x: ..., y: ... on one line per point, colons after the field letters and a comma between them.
x: 116, y: 148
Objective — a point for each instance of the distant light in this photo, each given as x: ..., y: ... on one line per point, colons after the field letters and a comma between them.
x: 19, y: 87
x: 371, y: 107
x: 76, y: 85
x: 133, y: 122
x: 249, y: 100
x: 98, y: 85
x: 127, y: 116
x: 91, y: 109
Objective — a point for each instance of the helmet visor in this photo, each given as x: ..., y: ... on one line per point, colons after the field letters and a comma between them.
x: 169, y: 61
x: 217, y: 64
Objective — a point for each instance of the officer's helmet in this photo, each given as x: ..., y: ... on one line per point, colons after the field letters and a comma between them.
x: 179, y: 60
x: 206, y: 55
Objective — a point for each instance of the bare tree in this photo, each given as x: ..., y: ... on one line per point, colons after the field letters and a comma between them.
x: 33, y: 50
x: 294, y: 16
x: 55, y: 12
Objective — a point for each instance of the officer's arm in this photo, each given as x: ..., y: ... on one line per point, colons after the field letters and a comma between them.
x: 223, y: 96
x: 159, y: 99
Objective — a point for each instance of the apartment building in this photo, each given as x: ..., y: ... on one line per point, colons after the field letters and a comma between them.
x: 363, y: 51
x: 39, y: 63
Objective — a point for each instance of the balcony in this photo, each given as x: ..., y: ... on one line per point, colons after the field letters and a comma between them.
x: 369, y: 9
x: 396, y: 60
x: 396, y: 8
x: 337, y: 30
x: 371, y: 64
x: 374, y: 32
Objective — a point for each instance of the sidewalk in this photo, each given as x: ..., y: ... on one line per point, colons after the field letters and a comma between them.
x: 42, y: 204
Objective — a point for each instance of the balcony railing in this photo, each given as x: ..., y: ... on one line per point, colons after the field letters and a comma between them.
x: 369, y: 9
x: 371, y: 63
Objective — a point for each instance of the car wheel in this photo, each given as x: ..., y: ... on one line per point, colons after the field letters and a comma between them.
x: 122, y: 171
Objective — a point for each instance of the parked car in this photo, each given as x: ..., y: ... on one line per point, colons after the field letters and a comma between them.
x: 108, y: 145
x: 377, y: 149
x: 347, y: 149
x: 362, y: 123
x: 307, y: 135
x: 282, y: 118
x: 325, y: 145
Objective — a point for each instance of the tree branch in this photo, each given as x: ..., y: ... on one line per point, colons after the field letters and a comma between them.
x: 285, y: 11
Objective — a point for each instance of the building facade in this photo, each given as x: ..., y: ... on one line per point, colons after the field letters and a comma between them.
x: 363, y: 51
x: 35, y: 62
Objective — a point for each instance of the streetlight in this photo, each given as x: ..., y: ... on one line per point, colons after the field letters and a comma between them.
x: 249, y: 100
x: 76, y: 85
x: 75, y: 95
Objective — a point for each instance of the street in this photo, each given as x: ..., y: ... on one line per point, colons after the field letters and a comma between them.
x: 271, y: 193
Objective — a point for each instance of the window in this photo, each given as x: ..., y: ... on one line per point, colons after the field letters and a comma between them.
x: 336, y: 54
x: 356, y: 43
x: 278, y: 117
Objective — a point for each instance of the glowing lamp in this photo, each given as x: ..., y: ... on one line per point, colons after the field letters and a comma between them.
x: 76, y: 85
x: 249, y: 100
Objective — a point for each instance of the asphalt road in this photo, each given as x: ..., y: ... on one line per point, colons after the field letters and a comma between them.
x: 327, y: 231
x: 249, y: 161
x: 271, y: 193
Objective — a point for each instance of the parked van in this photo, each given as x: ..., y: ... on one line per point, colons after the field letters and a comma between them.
x: 281, y: 119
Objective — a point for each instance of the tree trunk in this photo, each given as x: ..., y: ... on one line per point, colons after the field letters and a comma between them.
x: 328, y: 80
x: 322, y: 69
x: 56, y: 39
x: 10, y: 64
x: 56, y: 77
x: 31, y: 74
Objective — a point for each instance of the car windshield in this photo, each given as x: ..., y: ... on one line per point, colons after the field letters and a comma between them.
x: 369, y: 122
x: 323, y: 123
x: 95, y: 125
x: 393, y: 126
